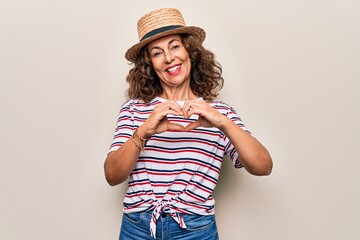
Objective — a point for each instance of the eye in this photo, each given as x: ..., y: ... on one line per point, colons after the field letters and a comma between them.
x: 156, y: 54
x: 175, y: 46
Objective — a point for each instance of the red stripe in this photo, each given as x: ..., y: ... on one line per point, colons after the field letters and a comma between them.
x: 201, y: 132
x: 168, y: 184
x: 124, y: 127
x: 183, y: 141
x: 193, y: 205
x: 139, y: 204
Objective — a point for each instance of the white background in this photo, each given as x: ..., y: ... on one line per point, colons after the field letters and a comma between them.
x: 291, y: 69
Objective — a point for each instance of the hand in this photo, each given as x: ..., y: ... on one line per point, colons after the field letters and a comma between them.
x: 208, y: 116
x: 158, y: 122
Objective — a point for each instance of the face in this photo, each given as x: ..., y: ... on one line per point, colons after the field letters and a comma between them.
x: 170, y: 61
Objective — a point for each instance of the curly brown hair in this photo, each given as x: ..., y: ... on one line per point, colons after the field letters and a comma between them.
x: 205, y: 76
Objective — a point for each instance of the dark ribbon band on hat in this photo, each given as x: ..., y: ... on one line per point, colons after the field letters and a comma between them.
x: 159, y: 30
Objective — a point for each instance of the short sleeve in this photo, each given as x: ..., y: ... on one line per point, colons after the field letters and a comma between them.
x: 229, y: 147
x: 124, y: 127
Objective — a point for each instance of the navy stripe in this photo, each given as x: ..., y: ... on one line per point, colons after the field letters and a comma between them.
x: 134, y: 203
x: 137, y: 118
x: 177, y: 159
x: 140, y: 191
x: 138, y: 181
x: 125, y: 125
x: 197, y: 183
x: 123, y: 134
x: 197, y: 195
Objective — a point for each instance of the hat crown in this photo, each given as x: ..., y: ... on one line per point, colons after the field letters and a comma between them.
x: 157, y: 19
x: 160, y: 23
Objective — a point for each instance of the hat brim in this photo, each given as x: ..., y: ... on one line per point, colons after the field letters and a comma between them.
x: 133, y: 52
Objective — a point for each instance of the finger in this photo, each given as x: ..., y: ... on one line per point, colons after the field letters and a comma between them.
x: 162, y: 113
x: 187, y: 105
x: 175, y: 107
x: 194, y: 110
x: 187, y: 108
x: 168, y: 109
x: 195, y: 107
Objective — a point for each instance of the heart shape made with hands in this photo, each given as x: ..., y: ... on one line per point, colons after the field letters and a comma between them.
x: 206, y: 115
x: 199, y: 122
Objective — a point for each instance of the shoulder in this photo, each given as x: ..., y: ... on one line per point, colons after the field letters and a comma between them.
x: 219, y: 103
x: 135, y: 103
x: 127, y: 103
x: 221, y: 106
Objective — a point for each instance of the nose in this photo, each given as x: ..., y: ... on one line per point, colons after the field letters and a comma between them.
x: 169, y: 57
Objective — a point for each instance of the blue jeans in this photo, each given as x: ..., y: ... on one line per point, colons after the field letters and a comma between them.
x: 136, y: 226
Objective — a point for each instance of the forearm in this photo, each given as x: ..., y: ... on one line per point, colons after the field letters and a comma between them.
x: 119, y: 164
x: 251, y: 153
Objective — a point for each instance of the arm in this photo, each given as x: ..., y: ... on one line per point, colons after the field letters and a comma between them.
x: 251, y: 153
x: 119, y: 164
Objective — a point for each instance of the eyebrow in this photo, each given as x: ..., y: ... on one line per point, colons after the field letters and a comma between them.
x: 170, y: 42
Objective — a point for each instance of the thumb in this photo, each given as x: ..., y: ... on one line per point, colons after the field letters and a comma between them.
x: 176, y: 127
x: 193, y: 125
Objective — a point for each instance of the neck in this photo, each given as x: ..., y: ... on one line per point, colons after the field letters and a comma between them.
x: 175, y: 94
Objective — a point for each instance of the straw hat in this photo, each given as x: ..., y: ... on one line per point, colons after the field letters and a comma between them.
x: 160, y: 23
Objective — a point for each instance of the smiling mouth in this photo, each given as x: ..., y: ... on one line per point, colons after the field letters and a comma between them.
x: 173, y: 69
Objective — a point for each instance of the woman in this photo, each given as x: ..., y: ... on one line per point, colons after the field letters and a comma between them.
x: 172, y: 135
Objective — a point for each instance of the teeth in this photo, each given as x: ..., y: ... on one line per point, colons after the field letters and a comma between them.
x: 173, y: 69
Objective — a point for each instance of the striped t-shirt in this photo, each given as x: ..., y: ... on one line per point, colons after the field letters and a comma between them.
x: 177, y: 171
